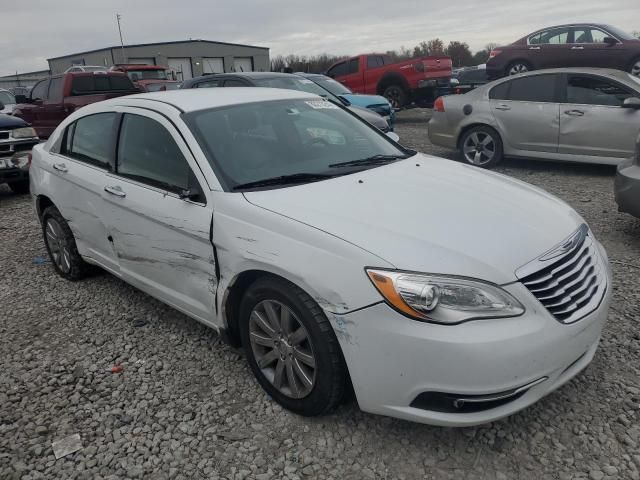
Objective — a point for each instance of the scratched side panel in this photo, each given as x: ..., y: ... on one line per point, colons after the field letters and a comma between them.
x: 329, y: 269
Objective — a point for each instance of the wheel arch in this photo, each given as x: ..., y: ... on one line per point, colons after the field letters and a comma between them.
x: 519, y: 60
x: 43, y: 202
x: 466, y: 128
x: 392, y: 78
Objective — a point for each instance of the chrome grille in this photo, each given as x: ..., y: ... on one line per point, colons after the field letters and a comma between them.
x: 4, y: 135
x: 569, y: 280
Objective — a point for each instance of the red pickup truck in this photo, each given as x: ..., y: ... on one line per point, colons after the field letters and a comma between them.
x: 400, y: 82
x: 149, y: 78
x: 53, y: 99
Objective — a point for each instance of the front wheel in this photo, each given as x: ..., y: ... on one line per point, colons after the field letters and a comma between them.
x: 481, y: 147
x: 396, y: 95
x: 61, y: 246
x: 291, y: 347
x: 517, y: 67
x: 635, y: 67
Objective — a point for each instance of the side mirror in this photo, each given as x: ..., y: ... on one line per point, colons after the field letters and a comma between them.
x: 21, y: 99
x: 632, y: 102
x: 610, y: 41
x: 393, y: 136
x: 345, y: 102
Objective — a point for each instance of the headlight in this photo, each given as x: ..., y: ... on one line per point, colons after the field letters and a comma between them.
x: 24, y: 132
x: 440, y: 299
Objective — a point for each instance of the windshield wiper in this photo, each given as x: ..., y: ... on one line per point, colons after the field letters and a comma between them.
x: 373, y: 160
x: 285, y: 180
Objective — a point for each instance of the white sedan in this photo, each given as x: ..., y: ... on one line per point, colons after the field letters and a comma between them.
x: 441, y: 293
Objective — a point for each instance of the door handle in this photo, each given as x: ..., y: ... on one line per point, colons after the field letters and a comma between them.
x: 61, y: 167
x: 574, y: 113
x: 534, y: 48
x: 577, y: 48
x: 115, y: 190
x: 503, y: 107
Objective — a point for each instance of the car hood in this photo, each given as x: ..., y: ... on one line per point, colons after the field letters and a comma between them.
x: 11, y: 122
x: 365, y: 100
x: 372, y: 117
x: 432, y: 215
x: 8, y: 108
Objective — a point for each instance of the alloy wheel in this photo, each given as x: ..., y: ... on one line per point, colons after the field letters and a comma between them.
x: 479, y: 148
x: 282, y: 348
x: 58, y: 246
x: 635, y: 69
x: 518, y: 68
x: 394, y: 94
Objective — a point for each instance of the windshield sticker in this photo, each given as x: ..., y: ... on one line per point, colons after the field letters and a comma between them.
x: 321, y: 104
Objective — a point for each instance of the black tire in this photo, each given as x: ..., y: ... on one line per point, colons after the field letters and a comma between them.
x: 518, y: 66
x: 71, y: 266
x: 396, y: 95
x: 634, y: 67
x: 330, y: 377
x: 20, y: 187
x: 478, y: 136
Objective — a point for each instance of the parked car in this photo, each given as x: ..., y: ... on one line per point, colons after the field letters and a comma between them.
x: 466, y: 79
x: 85, y: 68
x: 375, y: 103
x: 576, y: 45
x: 53, y: 99
x: 8, y: 101
x: 627, y: 184
x: 17, y: 139
x: 149, y: 78
x: 578, y: 115
x: 281, y: 80
x: 288, y: 225
x: 400, y: 82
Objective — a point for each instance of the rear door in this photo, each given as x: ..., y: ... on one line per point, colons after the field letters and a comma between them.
x: 526, y: 110
x: 160, y: 214
x: 551, y: 48
x: 79, y: 173
x: 243, y: 64
x: 592, y: 120
x: 590, y: 50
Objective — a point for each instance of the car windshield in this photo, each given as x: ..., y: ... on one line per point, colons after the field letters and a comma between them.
x: 297, y: 137
x: 147, y: 75
x: 621, y: 34
x: 295, y: 83
x: 330, y: 84
x: 7, y: 99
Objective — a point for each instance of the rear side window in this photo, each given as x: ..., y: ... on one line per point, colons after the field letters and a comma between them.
x: 557, y: 36
x: 89, y: 84
x: 40, y: 90
x: 147, y: 153
x: 500, y: 92
x: 585, y: 90
x: 338, y: 70
x: 354, y: 65
x: 537, y: 88
x: 208, y: 84
x: 90, y: 139
x: 55, y: 89
x: 374, y: 61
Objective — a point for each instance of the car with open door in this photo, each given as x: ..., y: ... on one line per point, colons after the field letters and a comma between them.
x: 578, y: 115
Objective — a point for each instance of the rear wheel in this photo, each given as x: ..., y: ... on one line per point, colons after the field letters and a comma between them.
x: 20, y: 187
x: 396, y: 95
x: 481, y: 147
x: 635, y: 67
x: 291, y: 347
x: 61, y: 246
x: 519, y: 66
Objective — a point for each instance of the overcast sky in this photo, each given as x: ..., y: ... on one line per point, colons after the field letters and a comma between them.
x: 35, y: 30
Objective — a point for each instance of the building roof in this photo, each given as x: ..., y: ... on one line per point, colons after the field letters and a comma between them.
x: 26, y: 74
x: 154, y: 44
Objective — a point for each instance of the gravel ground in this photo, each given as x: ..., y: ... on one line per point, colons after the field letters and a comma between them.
x: 186, y: 406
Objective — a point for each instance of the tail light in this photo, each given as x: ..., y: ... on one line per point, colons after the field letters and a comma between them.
x: 494, y: 53
x: 419, y: 67
x: 438, y: 105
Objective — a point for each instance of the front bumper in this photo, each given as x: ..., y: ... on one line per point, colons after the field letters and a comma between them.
x: 627, y: 187
x: 392, y: 359
x: 13, y: 167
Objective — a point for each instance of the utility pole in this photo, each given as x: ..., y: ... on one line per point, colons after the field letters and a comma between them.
x: 121, y: 42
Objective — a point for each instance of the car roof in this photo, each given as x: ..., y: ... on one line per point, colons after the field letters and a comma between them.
x: 604, y: 72
x: 191, y: 100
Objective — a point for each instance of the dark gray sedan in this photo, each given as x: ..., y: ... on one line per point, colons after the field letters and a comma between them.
x: 578, y: 115
x: 627, y: 184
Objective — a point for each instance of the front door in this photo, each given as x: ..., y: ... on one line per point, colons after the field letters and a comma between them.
x: 592, y: 120
x: 160, y: 215
x: 526, y: 111
x: 590, y: 50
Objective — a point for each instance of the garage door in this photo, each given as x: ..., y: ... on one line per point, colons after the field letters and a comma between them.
x: 143, y: 61
x: 243, y: 64
x: 181, y: 67
x: 212, y: 65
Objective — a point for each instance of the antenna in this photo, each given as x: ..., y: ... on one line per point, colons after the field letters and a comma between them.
x: 118, y: 16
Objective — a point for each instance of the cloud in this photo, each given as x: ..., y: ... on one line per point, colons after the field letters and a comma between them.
x: 39, y: 29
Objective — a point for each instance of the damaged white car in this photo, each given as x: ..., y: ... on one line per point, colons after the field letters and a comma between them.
x: 337, y: 258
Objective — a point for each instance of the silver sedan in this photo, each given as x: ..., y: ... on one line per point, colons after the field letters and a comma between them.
x: 579, y: 115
